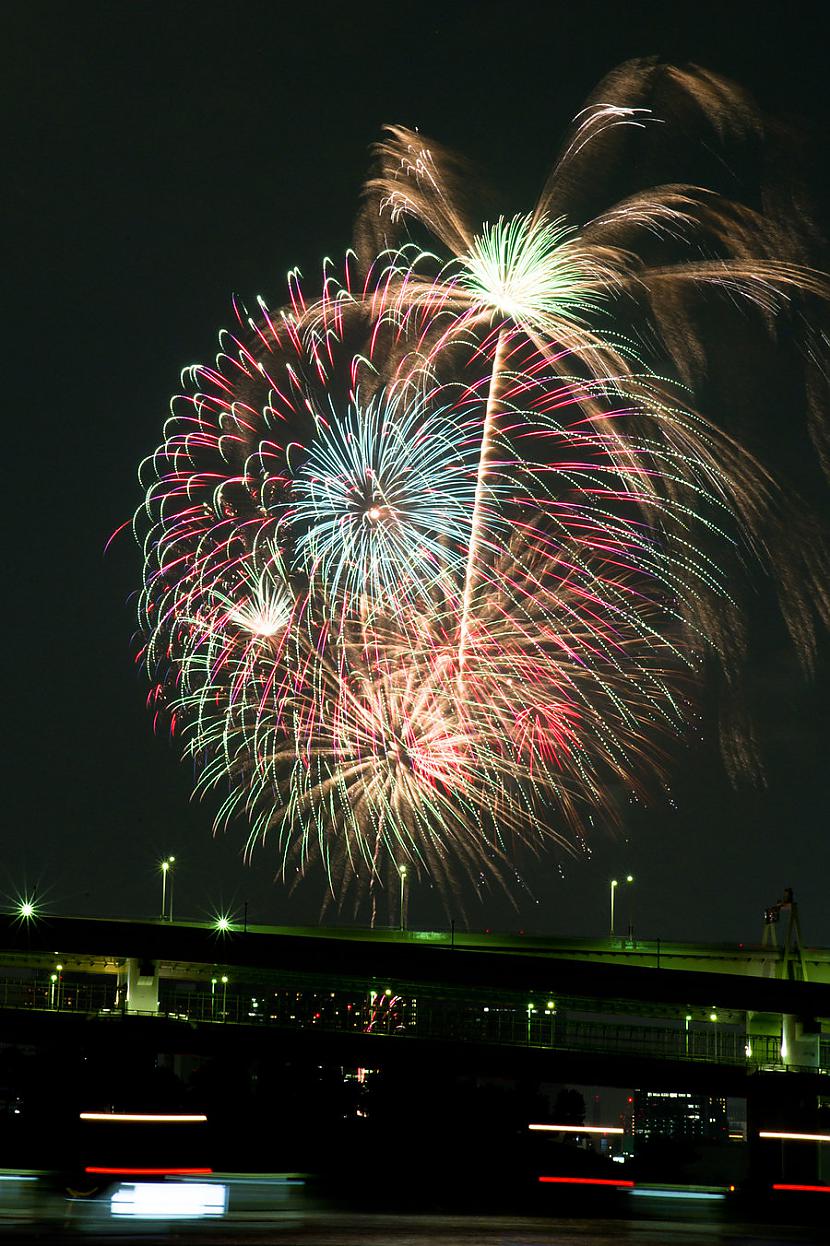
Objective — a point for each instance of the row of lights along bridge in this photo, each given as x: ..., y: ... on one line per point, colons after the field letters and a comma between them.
x: 27, y: 907
x: 167, y: 901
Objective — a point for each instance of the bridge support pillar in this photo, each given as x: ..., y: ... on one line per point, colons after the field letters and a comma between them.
x: 800, y: 1038
x: 787, y: 1102
x: 138, y: 985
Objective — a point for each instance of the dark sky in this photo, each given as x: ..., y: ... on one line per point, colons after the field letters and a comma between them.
x: 165, y: 156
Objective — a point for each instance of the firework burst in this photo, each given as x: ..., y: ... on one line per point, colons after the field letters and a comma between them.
x: 434, y: 561
x: 331, y: 665
x: 383, y: 502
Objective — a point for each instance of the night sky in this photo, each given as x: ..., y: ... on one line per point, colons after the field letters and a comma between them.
x: 165, y: 156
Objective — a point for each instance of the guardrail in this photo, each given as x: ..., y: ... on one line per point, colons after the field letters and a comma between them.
x: 388, y: 1014
x: 57, y: 996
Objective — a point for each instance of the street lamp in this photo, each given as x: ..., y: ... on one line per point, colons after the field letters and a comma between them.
x: 629, y: 878
x: 166, y: 868
x: 224, y: 997
x: 172, y: 880
x: 213, y: 982
x: 53, y: 978
x: 28, y: 909
x: 402, y: 872
x: 59, y: 969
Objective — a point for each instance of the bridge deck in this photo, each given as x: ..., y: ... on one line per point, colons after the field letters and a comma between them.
x: 470, y: 962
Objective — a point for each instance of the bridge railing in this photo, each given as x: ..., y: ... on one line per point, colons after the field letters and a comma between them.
x: 87, y: 997
x: 382, y: 1013
x: 460, y: 1022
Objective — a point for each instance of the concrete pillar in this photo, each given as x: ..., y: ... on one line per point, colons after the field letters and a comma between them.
x: 763, y: 1037
x: 138, y: 985
x: 800, y: 1038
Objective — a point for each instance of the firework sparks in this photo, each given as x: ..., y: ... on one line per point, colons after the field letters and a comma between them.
x: 383, y: 502
x: 433, y: 560
x: 308, y: 577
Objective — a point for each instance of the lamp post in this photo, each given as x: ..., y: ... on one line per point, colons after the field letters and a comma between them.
x: 172, y: 879
x: 402, y: 872
x: 53, y: 978
x: 213, y: 982
x: 224, y: 997
x: 59, y: 969
x: 629, y: 878
x: 166, y: 868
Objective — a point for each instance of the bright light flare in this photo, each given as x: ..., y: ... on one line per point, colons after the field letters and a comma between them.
x: 168, y: 1201
x: 27, y: 908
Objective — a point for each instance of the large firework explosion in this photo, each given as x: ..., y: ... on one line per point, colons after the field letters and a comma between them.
x: 435, y: 558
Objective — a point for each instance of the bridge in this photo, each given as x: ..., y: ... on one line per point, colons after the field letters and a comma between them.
x: 615, y: 1009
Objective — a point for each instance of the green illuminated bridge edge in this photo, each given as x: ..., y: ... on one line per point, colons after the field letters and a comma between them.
x: 746, y: 1006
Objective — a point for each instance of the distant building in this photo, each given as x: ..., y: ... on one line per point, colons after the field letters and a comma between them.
x: 678, y: 1114
x: 627, y: 1122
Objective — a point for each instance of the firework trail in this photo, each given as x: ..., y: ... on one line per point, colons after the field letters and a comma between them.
x: 560, y: 274
x: 434, y: 560
x: 306, y: 574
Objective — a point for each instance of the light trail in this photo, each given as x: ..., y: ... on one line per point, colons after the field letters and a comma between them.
x: 579, y: 1129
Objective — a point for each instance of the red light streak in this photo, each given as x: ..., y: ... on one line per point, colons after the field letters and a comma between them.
x: 148, y: 1172
x: 627, y: 1185
x: 813, y: 1189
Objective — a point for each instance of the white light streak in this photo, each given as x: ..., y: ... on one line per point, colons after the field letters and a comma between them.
x: 164, y: 1200
x: 579, y: 1129
x: 685, y: 1194
x: 145, y: 1118
x: 793, y: 1137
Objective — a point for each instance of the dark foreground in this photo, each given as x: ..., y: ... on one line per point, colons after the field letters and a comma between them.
x: 281, y: 1209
